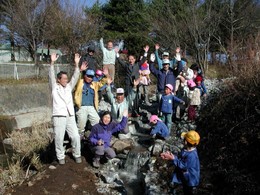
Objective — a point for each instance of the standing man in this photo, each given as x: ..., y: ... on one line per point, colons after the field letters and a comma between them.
x: 63, y: 109
x: 86, y: 99
x: 109, y: 57
x: 89, y: 58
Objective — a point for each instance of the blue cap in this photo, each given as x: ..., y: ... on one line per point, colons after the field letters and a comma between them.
x: 90, y: 72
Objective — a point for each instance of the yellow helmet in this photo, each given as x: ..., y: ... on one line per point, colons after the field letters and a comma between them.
x: 191, y: 137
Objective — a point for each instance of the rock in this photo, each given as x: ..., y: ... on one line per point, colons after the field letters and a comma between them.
x: 52, y: 167
x: 30, y: 184
x: 109, y: 177
x: 121, y: 145
x: 123, y: 136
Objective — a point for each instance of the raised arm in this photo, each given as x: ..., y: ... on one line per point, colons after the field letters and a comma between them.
x: 159, y: 60
x: 101, y: 41
x: 109, y: 93
x: 52, y: 78
x: 75, y: 76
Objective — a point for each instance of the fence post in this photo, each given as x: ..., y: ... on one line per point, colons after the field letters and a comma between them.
x: 16, y: 76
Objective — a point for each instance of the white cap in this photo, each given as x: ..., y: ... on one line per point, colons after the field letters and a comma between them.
x: 165, y: 53
x: 120, y: 90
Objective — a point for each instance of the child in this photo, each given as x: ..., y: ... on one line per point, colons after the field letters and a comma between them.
x: 159, y: 129
x: 199, y: 85
x: 187, y: 166
x: 167, y: 105
x: 144, y: 72
x: 193, y: 99
x: 98, y: 76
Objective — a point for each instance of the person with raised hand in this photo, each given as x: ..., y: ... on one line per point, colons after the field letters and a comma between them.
x: 101, y: 135
x: 63, y: 109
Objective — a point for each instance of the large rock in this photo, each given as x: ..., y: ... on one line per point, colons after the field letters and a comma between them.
x: 121, y: 145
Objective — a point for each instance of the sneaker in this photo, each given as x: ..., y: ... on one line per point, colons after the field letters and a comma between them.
x: 62, y: 161
x: 78, y: 160
x: 96, y: 163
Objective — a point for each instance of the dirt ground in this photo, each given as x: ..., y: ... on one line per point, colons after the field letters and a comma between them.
x: 69, y: 179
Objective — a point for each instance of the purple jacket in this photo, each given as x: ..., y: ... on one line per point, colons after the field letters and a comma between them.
x: 104, y: 132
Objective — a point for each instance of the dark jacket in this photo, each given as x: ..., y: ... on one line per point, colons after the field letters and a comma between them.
x: 163, y: 77
x: 91, y: 60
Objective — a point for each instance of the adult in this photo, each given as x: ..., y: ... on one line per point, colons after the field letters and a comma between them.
x: 86, y: 99
x: 164, y: 76
x: 89, y: 58
x: 63, y: 111
x: 120, y: 103
x: 131, y: 69
x: 101, y: 134
x: 109, y: 57
x: 165, y: 55
x: 132, y: 73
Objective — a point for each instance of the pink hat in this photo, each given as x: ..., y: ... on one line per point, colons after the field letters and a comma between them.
x: 154, y: 117
x: 169, y: 86
x: 99, y: 72
x: 191, y: 83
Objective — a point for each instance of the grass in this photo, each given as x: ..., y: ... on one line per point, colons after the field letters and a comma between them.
x: 27, y: 145
x: 218, y: 71
x: 23, y: 81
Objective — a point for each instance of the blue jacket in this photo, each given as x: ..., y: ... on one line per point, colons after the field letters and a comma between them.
x: 161, y: 129
x: 167, y: 103
x: 163, y: 77
x: 104, y: 132
x: 187, y: 168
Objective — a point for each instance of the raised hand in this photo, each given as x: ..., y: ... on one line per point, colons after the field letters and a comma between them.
x: 109, y: 80
x: 84, y: 66
x: 54, y: 57
x: 157, y: 46
x: 152, y: 57
x: 136, y: 82
x: 116, y: 49
x: 77, y: 59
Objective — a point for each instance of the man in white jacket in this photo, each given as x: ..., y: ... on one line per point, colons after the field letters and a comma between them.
x: 63, y: 109
x: 109, y: 57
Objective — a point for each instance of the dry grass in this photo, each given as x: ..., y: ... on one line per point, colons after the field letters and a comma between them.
x: 218, y: 71
x: 23, y: 81
x: 26, y: 146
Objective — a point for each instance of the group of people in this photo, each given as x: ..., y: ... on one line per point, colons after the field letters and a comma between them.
x: 76, y: 102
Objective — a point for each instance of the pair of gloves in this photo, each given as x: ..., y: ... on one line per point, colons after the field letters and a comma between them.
x: 177, y: 57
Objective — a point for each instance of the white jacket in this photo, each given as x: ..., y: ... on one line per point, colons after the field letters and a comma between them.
x: 62, y: 96
x: 109, y: 56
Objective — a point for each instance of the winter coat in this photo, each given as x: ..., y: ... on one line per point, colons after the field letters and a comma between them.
x: 167, y: 103
x: 163, y: 77
x: 187, y: 169
x: 161, y: 129
x: 62, y: 96
x: 194, y: 97
x: 104, y: 132
x: 121, y: 106
x: 94, y: 85
x: 91, y: 60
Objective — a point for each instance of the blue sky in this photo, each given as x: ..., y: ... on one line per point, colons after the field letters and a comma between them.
x: 89, y: 3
